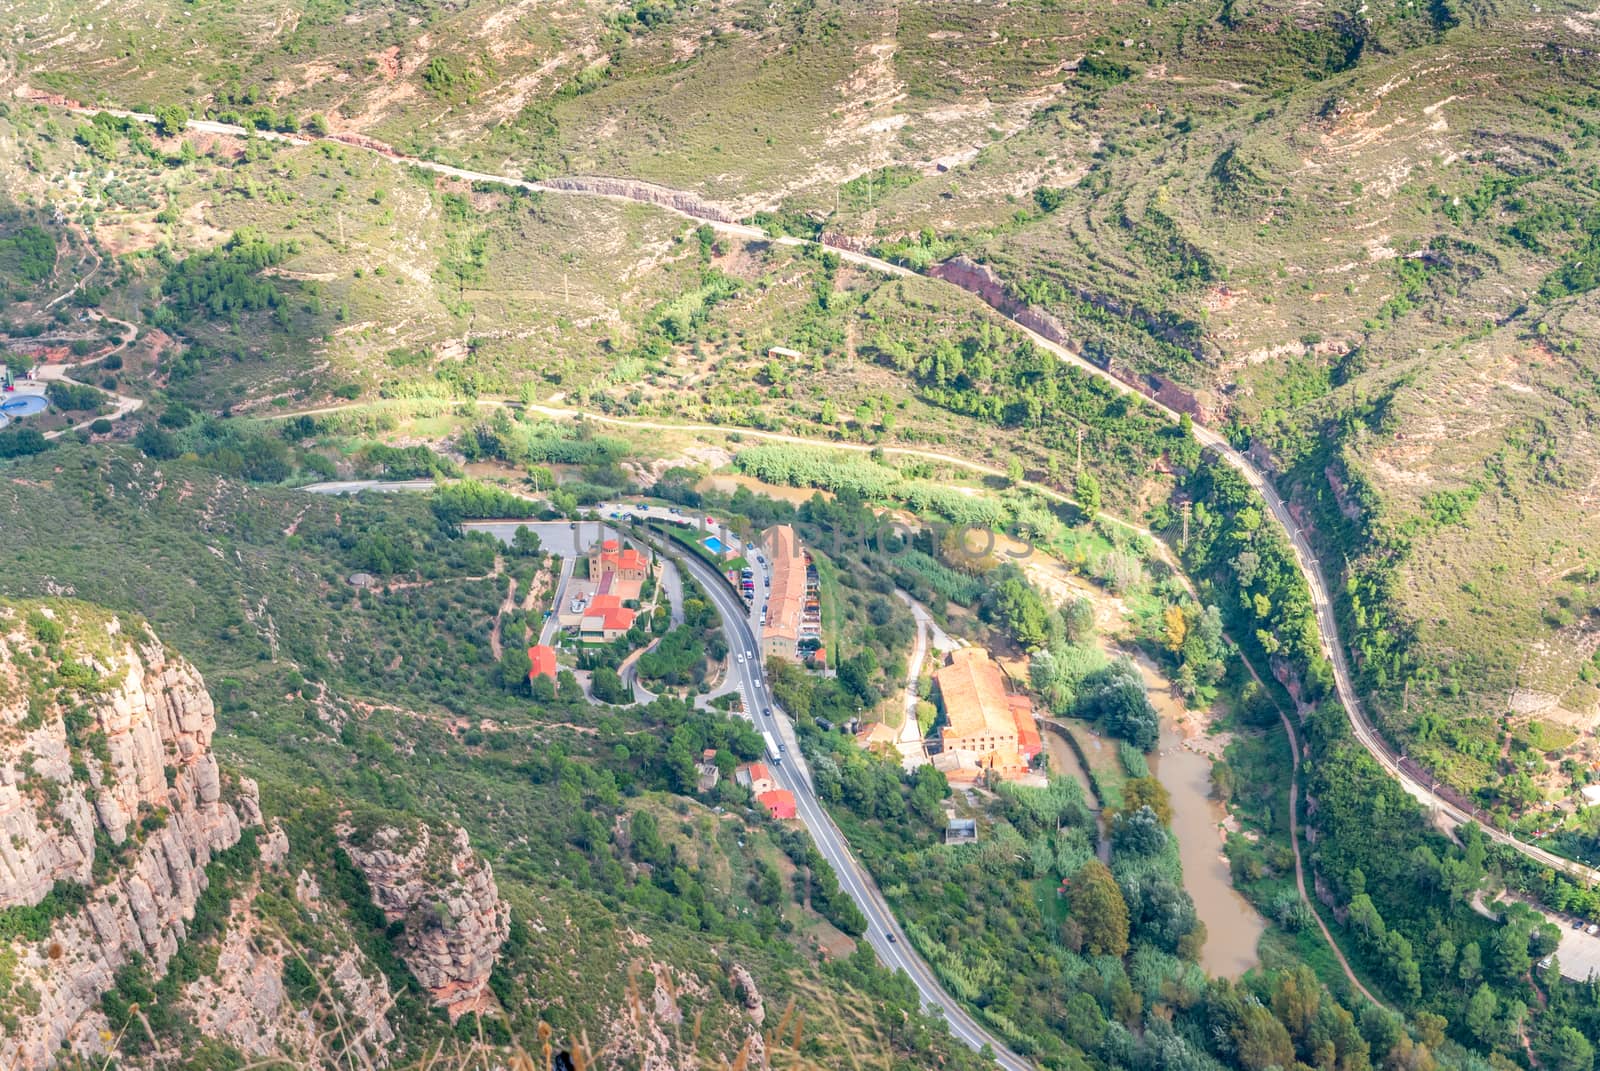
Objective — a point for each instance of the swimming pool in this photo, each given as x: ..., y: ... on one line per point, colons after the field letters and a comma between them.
x: 713, y: 544
x: 24, y: 405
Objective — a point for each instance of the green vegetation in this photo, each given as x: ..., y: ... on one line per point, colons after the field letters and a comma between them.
x: 574, y: 778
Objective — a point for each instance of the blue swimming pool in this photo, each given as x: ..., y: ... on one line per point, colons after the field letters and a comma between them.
x: 713, y: 544
x: 23, y: 405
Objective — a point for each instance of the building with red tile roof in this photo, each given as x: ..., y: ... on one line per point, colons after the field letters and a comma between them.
x: 604, y: 619
x: 543, y: 659
x: 779, y: 803
x: 998, y: 729
x: 756, y: 777
x: 786, y: 602
x: 611, y: 557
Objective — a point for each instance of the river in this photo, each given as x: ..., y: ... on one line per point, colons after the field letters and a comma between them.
x: 1232, y: 925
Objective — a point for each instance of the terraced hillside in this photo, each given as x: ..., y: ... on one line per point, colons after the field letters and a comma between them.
x: 1361, y: 238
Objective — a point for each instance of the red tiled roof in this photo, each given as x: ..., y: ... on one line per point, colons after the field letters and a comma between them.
x: 543, y: 659
x: 779, y: 803
x: 609, y: 546
x: 612, y: 614
x: 759, y: 772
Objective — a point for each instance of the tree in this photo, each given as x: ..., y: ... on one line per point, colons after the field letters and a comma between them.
x: 514, y: 668
x: 1013, y: 602
x: 171, y: 120
x: 525, y: 542
x: 1086, y: 489
x: 1138, y: 832
x: 1098, y: 906
x: 1014, y: 471
x: 1177, y: 627
x: 156, y: 443
x: 1261, y: 1041
x: 608, y: 687
x: 1571, y: 1051
x: 1480, y: 1016
x: 1115, y: 699
x: 1510, y: 953
x: 1151, y: 793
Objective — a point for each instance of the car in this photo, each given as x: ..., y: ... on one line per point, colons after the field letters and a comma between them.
x: 783, y: 747
x: 749, y: 654
x: 769, y: 712
x: 674, y: 511
x: 892, y: 938
x: 1578, y: 925
x: 741, y: 660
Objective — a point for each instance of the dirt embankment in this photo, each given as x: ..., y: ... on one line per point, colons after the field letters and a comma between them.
x: 980, y: 280
x: 649, y: 192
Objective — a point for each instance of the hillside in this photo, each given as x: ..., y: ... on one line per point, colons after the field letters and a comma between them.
x: 1356, y: 237
x: 472, y: 861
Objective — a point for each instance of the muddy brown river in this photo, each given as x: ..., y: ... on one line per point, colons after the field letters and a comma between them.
x: 1232, y: 925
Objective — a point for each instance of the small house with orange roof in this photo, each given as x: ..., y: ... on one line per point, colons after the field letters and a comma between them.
x: 779, y: 803
x: 756, y: 777
x: 542, y: 658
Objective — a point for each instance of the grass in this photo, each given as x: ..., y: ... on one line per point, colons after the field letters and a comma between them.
x: 1105, y: 767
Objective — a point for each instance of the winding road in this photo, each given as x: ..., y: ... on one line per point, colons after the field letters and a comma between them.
x: 883, y: 933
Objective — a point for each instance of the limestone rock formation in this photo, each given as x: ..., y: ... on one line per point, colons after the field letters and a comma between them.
x: 455, y: 921
x: 104, y: 735
x: 744, y: 987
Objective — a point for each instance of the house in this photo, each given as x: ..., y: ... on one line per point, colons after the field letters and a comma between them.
x: 961, y: 831
x: 996, y: 728
x: 706, y: 770
x: 779, y: 803
x: 604, y: 619
x: 958, y: 767
x: 786, y: 604
x: 756, y: 777
x: 877, y: 735
x: 543, y: 660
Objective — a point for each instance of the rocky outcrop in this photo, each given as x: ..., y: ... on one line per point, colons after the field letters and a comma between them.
x: 455, y: 921
x: 243, y: 1001
x: 744, y: 987
x: 104, y: 736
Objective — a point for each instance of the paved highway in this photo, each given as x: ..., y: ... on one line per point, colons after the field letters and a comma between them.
x: 894, y: 951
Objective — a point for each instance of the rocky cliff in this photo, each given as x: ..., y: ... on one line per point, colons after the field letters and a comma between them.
x: 107, y: 783
x: 455, y: 921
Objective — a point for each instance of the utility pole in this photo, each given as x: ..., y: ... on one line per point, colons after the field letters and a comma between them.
x: 1077, y: 469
